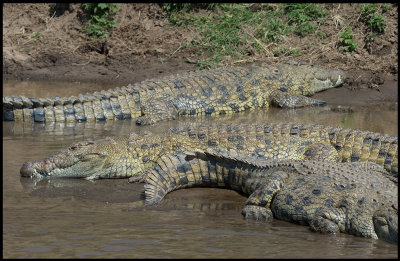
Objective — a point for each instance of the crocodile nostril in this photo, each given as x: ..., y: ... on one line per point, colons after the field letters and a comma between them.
x: 26, y: 170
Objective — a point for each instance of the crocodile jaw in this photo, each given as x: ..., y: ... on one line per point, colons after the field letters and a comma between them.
x: 75, y: 168
x: 320, y: 85
x: 82, y: 159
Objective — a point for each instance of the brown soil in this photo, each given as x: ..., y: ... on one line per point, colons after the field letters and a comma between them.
x: 143, y: 45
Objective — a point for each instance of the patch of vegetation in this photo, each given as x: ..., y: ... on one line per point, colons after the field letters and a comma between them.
x: 386, y: 8
x: 346, y: 42
x: 100, y: 19
x: 375, y: 22
x: 236, y: 31
x: 188, y: 6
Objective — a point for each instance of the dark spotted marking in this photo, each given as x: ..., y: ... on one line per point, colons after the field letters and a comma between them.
x: 242, y: 97
x: 298, y: 209
x: 316, y: 192
x: 338, y: 147
x: 184, y: 167
x: 354, y: 157
x: 212, y: 143
x: 8, y: 114
x: 375, y: 141
x: 38, y: 114
x: 269, y: 192
x: 201, y: 136
x: 209, y: 111
x: 307, y: 201
x: 289, y: 199
x: 382, y: 153
x: 329, y: 202
x: 234, y: 107
x: 389, y: 159
x: 221, y: 101
x: 232, y: 138
x: 183, y: 181
x: 126, y: 116
x: 119, y: 116
x: 101, y: 117
x: 116, y: 106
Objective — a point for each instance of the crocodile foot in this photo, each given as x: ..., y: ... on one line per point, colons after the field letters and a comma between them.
x: 323, y: 221
x: 257, y: 213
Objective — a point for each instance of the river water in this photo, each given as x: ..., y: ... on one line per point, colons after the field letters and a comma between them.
x: 106, y: 218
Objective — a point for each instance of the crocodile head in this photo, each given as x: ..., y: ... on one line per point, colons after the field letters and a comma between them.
x: 326, y: 78
x: 308, y: 80
x: 386, y: 225
x: 106, y: 158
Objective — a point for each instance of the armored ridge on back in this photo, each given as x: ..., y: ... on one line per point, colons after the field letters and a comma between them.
x: 217, y: 91
x: 356, y: 198
x: 122, y: 157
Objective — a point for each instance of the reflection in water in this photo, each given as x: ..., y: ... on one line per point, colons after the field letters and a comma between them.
x: 106, y: 218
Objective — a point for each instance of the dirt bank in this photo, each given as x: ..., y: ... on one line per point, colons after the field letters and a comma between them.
x: 48, y: 41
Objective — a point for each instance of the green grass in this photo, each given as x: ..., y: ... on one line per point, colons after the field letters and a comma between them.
x: 234, y: 30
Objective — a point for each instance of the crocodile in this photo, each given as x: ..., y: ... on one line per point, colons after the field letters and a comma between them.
x: 129, y: 156
x: 208, y: 92
x: 357, y: 198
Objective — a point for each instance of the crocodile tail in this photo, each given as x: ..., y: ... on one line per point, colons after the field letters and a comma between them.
x: 171, y: 172
x: 177, y: 171
x: 199, y: 168
x: 117, y: 103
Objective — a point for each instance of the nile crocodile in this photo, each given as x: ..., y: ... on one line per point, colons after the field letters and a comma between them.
x: 355, y: 198
x: 129, y: 156
x: 218, y: 91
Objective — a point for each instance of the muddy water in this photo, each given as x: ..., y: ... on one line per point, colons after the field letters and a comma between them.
x: 107, y: 219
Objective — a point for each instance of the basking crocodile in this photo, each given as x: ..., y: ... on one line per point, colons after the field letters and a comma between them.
x: 129, y: 156
x: 218, y: 91
x: 355, y: 198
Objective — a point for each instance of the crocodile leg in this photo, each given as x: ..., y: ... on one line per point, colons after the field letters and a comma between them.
x: 343, y: 219
x: 327, y: 220
x: 286, y: 100
x: 257, y: 205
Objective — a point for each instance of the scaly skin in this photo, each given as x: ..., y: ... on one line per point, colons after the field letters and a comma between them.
x: 354, y: 198
x: 120, y: 157
x: 218, y: 91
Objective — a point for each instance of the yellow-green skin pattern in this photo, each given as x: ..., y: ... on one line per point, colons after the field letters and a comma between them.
x: 130, y: 156
x: 358, y: 198
x: 208, y: 92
